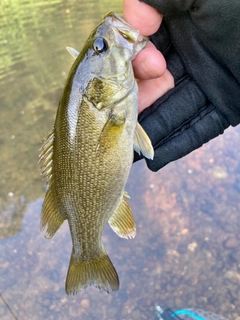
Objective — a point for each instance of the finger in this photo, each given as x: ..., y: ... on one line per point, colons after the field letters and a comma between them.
x: 149, y: 63
x: 141, y: 16
x: 150, y: 90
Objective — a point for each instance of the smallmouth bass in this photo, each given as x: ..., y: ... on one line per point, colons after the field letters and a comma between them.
x: 88, y: 155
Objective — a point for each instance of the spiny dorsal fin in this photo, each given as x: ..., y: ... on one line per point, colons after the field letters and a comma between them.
x: 73, y: 52
x: 51, y: 219
x: 122, y: 221
x: 46, y: 155
x: 142, y: 143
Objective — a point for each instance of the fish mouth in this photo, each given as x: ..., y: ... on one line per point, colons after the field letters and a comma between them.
x: 125, y: 29
x: 127, y: 32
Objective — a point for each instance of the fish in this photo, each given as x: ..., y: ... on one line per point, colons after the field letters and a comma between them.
x: 87, y: 156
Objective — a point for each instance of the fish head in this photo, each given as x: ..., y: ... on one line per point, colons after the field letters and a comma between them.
x: 116, y: 43
x: 123, y: 35
x: 105, y: 63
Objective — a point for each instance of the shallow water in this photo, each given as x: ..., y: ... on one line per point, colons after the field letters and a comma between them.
x: 186, y: 252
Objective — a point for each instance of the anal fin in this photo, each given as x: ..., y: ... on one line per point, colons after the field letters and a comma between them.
x: 142, y: 143
x: 51, y: 219
x: 122, y: 221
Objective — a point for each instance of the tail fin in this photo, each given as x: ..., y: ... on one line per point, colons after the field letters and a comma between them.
x: 99, y: 272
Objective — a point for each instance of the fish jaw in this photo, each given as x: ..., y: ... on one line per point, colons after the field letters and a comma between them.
x: 125, y: 34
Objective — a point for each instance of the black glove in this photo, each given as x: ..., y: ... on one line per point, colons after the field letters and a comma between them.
x: 200, y: 41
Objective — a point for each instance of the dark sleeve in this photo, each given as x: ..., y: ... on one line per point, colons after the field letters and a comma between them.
x: 200, y: 41
x: 206, y: 35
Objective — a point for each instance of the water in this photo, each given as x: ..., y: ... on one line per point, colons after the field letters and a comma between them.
x: 186, y: 252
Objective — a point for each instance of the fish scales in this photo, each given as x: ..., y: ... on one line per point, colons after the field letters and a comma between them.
x: 92, y: 183
x: 88, y: 155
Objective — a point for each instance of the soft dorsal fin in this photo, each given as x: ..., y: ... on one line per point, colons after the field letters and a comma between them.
x: 142, y: 143
x: 51, y: 219
x: 122, y: 221
x: 73, y: 52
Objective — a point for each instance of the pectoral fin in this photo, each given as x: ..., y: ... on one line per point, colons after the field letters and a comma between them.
x: 142, y: 143
x: 122, y: 221
x: 73, y: 52
x: 111, y: 131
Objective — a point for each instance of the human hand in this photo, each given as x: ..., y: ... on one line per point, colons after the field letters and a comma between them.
x: 149, y: 65
x: 200, y: 42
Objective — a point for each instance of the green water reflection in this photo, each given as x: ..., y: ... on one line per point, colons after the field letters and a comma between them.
x: 186, y: 253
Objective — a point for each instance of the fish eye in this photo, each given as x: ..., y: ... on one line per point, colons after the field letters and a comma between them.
x: 100, y: 45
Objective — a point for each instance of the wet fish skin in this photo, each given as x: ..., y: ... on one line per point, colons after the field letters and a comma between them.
x: 88, y: 155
